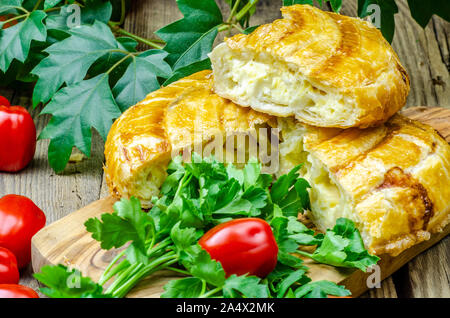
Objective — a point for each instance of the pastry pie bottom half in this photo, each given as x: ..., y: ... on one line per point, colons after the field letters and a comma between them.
x: 393, y: 181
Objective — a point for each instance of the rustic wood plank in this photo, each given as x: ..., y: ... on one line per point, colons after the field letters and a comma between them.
x: 428, y: 67
x: 429, y: 273
x: 67, y: 242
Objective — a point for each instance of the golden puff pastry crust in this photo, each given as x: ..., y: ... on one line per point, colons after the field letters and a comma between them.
x: 327, y: 69
x: 140, y: 142
x: 392, y: 180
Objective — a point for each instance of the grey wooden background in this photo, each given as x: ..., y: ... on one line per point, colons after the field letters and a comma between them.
x: 424, y: 52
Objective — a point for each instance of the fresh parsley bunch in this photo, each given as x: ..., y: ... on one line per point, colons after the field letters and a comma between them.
x: 195, y: 197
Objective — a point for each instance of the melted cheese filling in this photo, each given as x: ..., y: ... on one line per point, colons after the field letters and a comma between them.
x: 270, y: 85
x: 328, y: 202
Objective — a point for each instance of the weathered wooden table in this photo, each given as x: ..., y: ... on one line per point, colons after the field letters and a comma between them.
x: 425, y: 54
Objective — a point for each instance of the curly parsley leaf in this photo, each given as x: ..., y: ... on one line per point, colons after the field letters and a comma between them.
x: 321, y: 289
x: 247, y: 286
x: 207, y: 269
x: 189, y: 287
x: 343, y: 246
x: 127, y: 223
x: 71, y: 125
x: 62, y: 282
x: 15, y: 41
x: 289, y: 192
x: 184, y: 238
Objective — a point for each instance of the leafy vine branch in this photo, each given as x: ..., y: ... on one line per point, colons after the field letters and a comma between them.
x: 99, y: 63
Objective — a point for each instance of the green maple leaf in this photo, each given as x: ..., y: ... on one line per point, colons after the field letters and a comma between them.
x: 15, y: 41
x: 188, y: 70
x: 51, y: 3
x: 140, y: 78
x: 422, y: 11
x: 388, y: 9
x: 75, y: 110
x: 190, y: 39
x: 100, y: 11
x: 70, y: 59
x: 9, y: 5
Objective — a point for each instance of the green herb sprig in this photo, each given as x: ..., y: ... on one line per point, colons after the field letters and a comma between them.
x: 195, y: 197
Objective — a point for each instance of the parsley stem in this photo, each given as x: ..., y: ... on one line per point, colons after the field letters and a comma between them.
x: 211, y: 292
x: 203, y: 287
x: 142, y: 272
x: 183, y: 183
x: 115, y: 271
x: 163, y: 244
x: 151, y: 43
x: 105, y: 277
x: 124, y: 276
x: 303, y: 253
x: 177, y: 270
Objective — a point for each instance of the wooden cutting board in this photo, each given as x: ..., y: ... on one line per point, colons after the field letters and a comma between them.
x: 67, y: 242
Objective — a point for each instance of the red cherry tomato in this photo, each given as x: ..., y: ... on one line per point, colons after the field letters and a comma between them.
x: 242, y: 246
x: 7, y: 17
x: 17, y: 138
x: 3, y: 100
x: 16, y: 291
x: 9, y: 273
x: 20, y: 219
